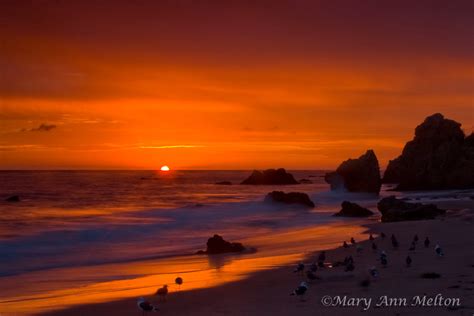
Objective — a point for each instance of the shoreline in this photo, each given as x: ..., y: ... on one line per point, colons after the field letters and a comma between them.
x: 267, y: 292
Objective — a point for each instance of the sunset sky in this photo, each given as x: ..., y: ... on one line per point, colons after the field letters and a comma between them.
x: 226, y: 84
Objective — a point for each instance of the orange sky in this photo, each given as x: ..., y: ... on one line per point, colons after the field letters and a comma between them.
x: 301, y: 84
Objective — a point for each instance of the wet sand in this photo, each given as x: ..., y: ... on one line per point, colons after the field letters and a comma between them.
x: 267, y: 292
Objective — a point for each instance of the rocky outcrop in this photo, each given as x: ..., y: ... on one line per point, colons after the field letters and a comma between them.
x: 224, y: 183
x: 395, y: 210
x: 270, y: 176
x: 13, y: 198
x: 439, y: 157
x: 289, y: 198
x: 353, y: 210
x: 217, y: 245
x: 357, y: 175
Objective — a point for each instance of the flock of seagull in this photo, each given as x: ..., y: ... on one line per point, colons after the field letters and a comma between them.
x: 348, y: 261
x: 300, y: 291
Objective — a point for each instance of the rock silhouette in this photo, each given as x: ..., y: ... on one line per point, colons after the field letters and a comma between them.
x: 357, y: 175
x: 217, y: 244
x: 289, y: 198
x: 439, y: 157
x: 395, y: 210
x: 270, y: 176
x: 350, y: 209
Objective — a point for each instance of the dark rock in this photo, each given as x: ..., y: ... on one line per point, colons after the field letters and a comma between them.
x: 353, y: 210
x: 270, y: 176
x: 357, y: 175
x: 224, y: 183
x: 430, y: 275
x: 289, y: 198
x: 217, y: 244
x: 394, y: 210
x: 305, y: 181
x: 439, y: 157
x: 13, y: 198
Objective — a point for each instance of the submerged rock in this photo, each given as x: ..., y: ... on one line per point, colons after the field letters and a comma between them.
x: 217, y: 245
x: 289, y: 198
x: 357, y: 175
x: 353, y: 210
x: 395, y: 210
x: 224, y: 183
x: 439, y: 157
x: 270, y: 176
x: 13, y: 198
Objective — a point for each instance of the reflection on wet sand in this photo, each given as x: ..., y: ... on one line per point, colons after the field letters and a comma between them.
x: 39, y: 291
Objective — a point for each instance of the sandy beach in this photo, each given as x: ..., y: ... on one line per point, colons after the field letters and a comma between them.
x: 267, y: 292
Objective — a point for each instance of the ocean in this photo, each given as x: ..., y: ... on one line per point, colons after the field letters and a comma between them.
x: 91, y: 236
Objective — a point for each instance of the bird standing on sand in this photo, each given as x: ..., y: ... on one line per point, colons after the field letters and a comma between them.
x: 408, y: 261
x: 415, y: 239
x: 353, y: 241
x: 300, y: 290
x: 371, y: 238
x: 394, y: 241
x: 383, y: 259
x: 382, y: 235
x: 321, y: 259
x: 313, y: 267
x: 299, y: 268
x: 373, y: 272
x: 374, y: 246
x: 179, y: 281
x: 345, y: 245
x: 162, y: 292
x: 350, y: 266
x: 427, y: 242
x: 439, y: 251
x: 413, y: 246
x: 146, y: 306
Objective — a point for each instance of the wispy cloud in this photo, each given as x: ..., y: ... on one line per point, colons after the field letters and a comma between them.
x: 45, y: 127
x: 171, y: 146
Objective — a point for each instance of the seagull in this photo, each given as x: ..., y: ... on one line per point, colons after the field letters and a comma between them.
x: 373, y: 272
x: 383, y: 258
x: 345, y: 245
x: 394, y: 241
x: 321, y: 259
x: 408, y: 261
x: 179, y: 281
x: 413, y: 246
x: 162, y: 292
x: 439, y: 251
x: 300, y: 290
x: 374, y: 246
x: 313, y: 267
x: 427, y: 242
x: 353, y: 241
x: 350, y: 266
x: 371, y: 238
x: 299, y: 267
x: 415, y: 239
x: 146, y: 306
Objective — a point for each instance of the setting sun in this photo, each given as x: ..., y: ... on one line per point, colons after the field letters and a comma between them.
x: 165, y: 168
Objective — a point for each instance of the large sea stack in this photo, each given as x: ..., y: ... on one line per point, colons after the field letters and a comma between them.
x: 357, y: 175
x: 270, y: 176
x: 439, y: 157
